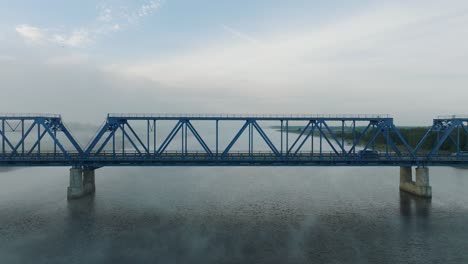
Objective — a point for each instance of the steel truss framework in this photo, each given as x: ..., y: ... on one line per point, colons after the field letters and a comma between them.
x: 132, y: 140
x: 448, y: 130
x: 22, y: 135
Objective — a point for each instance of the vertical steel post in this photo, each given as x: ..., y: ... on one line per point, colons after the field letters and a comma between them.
x: 113, y: 142
x: 148, y: 136
x: 4, y: 135
x: 217, y: 137
x: 342, y: 135
x: 312, y: 140
x: 123, y: 139
x: 458, y: 139
x: 38, y: 140
x: 251, y: 137
x: 154, y: 136
x: 287, y: 137
x: 186, y: 137
x: 281, y: 137
x: 321, y: 139
x: 22, y: 136
x: 373, y: 142
x: 354, y: 136
x: 182, y: 138
x: 55, y: 142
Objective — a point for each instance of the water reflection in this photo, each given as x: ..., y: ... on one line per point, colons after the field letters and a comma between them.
x: 78, y: 208
x: 8, y: 169
x: 412, y: 206
x: 238, y: 215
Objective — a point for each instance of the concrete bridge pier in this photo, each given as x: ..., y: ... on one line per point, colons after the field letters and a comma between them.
x: 75, y: 190
x: 81, y: 182
x: 421, y: 186
x: 88, y: 180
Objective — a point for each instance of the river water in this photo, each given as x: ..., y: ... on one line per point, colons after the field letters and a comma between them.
x: 233, y: 215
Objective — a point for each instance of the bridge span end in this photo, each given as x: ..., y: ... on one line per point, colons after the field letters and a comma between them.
x: 421, y: 186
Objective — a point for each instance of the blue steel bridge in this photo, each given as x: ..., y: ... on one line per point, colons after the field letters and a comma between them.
x: 229, y: 140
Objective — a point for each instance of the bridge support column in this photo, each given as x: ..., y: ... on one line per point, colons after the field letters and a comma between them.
x: 88, y: 181
x: 75, y: 190
x: 421, y: 186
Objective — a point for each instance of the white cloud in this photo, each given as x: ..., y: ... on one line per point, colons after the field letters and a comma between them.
x: 105, y: 15
x: 107, y: 21
x: 374, y: 60
x: 238, y: 34
x: 78, y: 38
x: 30, y: 33
x: 148, y: 8
x: 36, y: 35
x: 360, y: 40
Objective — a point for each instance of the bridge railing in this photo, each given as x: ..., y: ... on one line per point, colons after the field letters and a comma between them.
x: 245, y: 115
x: 28, y: 115
x: 449, y: 117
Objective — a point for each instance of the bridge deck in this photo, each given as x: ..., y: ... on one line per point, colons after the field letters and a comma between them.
x: 230, y: 159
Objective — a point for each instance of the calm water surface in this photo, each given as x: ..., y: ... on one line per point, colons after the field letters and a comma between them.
x: 233, y: 215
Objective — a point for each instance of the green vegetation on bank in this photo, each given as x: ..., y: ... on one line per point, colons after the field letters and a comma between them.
x: 412, y: 135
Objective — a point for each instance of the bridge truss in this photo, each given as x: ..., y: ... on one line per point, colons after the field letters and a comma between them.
x: 451, y: 131
x: 226, y: 140
x: 297, y: 140
x: 36, y: 139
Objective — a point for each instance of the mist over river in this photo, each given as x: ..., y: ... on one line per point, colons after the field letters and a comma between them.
x: 233, y: 215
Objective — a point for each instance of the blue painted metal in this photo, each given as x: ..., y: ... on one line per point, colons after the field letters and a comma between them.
x: 446, y: 128
x: 21, y: 146
x: 131, y: 140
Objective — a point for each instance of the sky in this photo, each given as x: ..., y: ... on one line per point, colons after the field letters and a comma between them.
x: 86, y: 58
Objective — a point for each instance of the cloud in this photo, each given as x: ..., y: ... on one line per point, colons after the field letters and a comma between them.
x: 78, y: 38
x: 148, y: 8
x: 368, y: 42
x: 105, y: 15
x: 30, y: 33
x: 107, y: 21
x: 360, y: 63
x: 238, y: 34
x: 36, y: 35
x: 144, y: 10
x: 401, y: 60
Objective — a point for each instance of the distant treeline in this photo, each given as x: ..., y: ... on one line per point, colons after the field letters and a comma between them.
x: 412, y: 135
